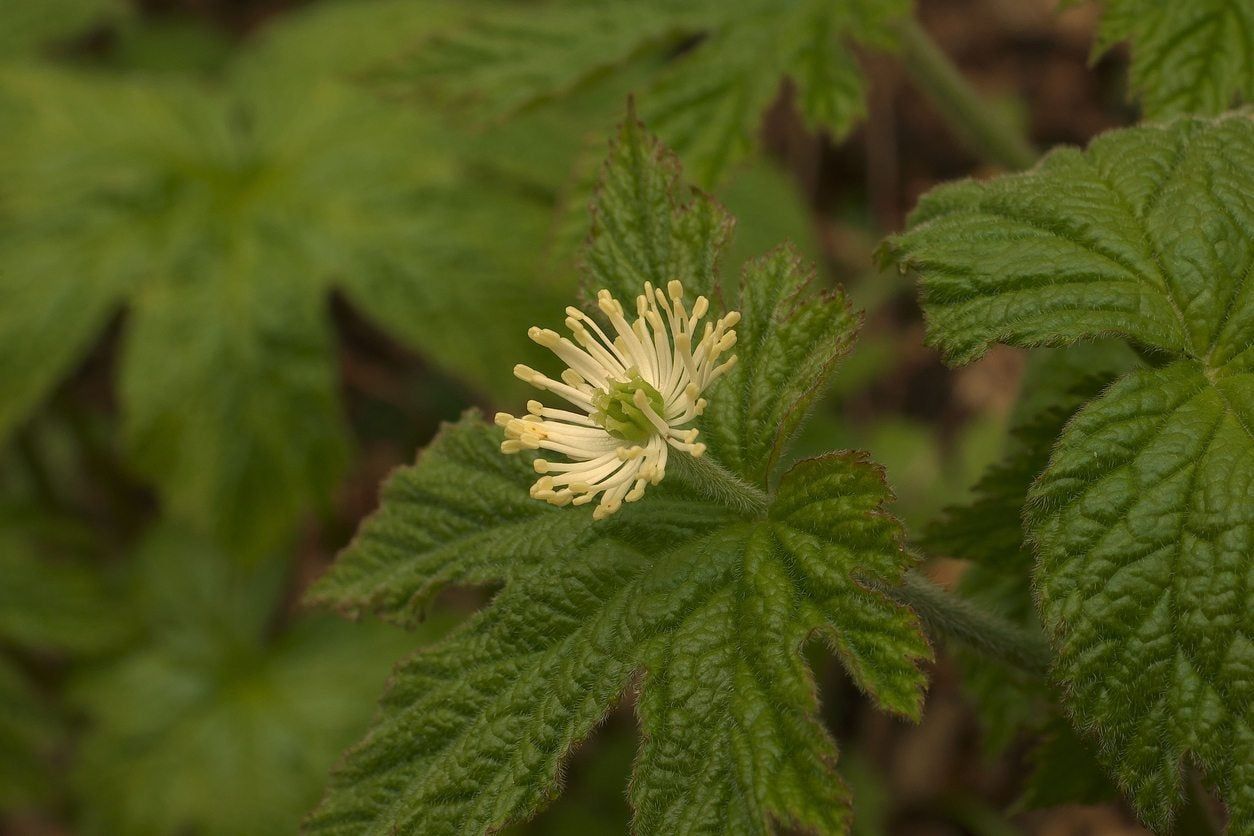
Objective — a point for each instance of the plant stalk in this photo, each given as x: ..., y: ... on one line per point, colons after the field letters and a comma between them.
x: 976, y: 122
x: 714, y: 481
x: 944, y: 613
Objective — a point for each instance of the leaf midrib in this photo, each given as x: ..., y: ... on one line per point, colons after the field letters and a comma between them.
x: 617, y: 600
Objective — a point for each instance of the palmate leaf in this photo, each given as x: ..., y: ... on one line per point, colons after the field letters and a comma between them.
x: 217, y: 702
x: 1143, y: 520
x: 220, y: 220
x: 1187, y: 58
x: 474, y: 731
x: 697, y: 611
x: 791, y: 338
x: 707, y: 103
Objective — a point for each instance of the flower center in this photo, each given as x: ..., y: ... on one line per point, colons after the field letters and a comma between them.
x: 616, y: 409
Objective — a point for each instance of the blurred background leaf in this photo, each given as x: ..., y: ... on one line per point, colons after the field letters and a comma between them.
x: 252, y: 252
x: 228, y: 717
x: 30, y: 731
x: 729, y: 61
x: 26, y: 29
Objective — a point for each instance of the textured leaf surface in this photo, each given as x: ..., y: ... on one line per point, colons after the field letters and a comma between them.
x: 706, y: 103
x: 647, y: 226
x: 1145, y: 235
x: 1143, y: 519
x: 215, y: 706
x: 789, y: 341
x: 221, y: 219
x: 713, y: 611
x: 1145, y: 525
x: 1195, y: 57
x: 700, y: 611
x: 429, y: 532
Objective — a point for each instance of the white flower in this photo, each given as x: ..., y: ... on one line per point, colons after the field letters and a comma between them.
x: 634, y: 394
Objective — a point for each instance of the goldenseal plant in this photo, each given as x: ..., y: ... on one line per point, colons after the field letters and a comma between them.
x: 1142, y: 522
x: 636, y: 394
x: 691, y: 602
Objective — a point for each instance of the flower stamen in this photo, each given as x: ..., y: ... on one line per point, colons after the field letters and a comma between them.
x: 634, y: 395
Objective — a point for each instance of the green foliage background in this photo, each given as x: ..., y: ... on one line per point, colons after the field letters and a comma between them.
x: 251, y: 260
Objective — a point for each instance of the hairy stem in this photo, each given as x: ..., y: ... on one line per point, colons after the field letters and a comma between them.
x: 977, y: 123
x: 944, y: 613
x: 716, y: 482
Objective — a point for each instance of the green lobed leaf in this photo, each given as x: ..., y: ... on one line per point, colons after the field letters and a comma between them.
x: 505, y: 58
x: 646, y: 227
x: 1195, y: 57
x: 708, y: 105
x: 1142, y: 520
x: 221, y: 218
x: 707, y: 102
x: 789, y: 341
x: 474, y: 731
x: 429, y: 530
x: 219, y: 703
x: 1121, y: 240
x: 1144, y: 526
x: 657, y: 599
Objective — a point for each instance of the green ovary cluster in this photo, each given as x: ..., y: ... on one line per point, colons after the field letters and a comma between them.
x: 616, y: 409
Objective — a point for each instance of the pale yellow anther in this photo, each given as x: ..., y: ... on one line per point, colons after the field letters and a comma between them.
x: 651, y: 360
x: 544, y: 336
